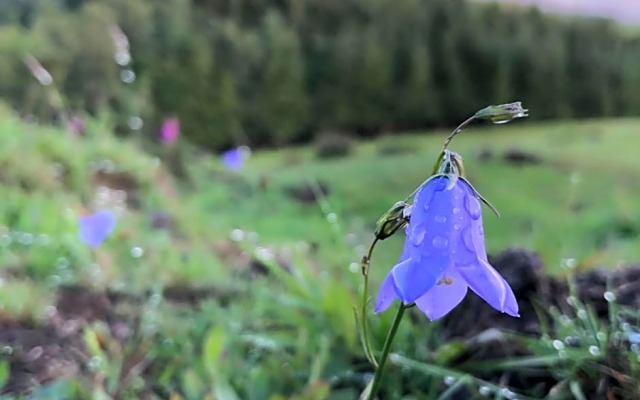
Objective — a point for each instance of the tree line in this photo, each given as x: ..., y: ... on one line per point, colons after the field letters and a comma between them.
x: 273, y: 72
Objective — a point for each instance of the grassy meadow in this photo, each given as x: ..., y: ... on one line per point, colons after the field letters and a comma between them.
x: 224, y: 286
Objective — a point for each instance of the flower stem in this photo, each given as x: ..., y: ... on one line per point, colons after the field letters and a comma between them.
x: 366, y: 344
x: 377, y: 378
x: 457, y: 130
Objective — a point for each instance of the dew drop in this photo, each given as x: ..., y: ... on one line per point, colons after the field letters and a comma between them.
x: 558, y: 345
x: 94, y: 363
x: 609, y: 296
x: 467, y: 239
x: 456, y: 210
x: 135, y: 123
x: 417, y: 235
x: 506, y: 393
x: 127, y: 76
x: 7, y: 350
x: 484, y: 390
x: 354, y: 267
x: 137, y: 252
x: 473, y: 207
x: 569, y: 263
x: 449, y: 380
x: 456, y: 227
x: 440, y: 242
x: 594, y: 350
x: 237, y: 235
x: 601, y: 336
x: 582, y: 314
x: 332, y: 218
x: 441, y: 219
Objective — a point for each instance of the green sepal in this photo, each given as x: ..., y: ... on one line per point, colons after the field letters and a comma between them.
x: 391, y: 221
x: 482, y: 199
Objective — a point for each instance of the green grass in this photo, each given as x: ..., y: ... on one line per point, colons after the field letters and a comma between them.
x: 590, y: 164
x: 289, y: 334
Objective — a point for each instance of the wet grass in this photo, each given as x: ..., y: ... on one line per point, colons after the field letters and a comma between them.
x: 266, y: 315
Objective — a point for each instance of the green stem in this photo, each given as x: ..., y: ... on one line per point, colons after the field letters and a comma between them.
x: 457, y: 130
x: 365, y: 301
x: 377, y: 378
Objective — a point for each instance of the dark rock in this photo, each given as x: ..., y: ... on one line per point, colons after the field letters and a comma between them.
x: 485, y: 155
x: 520, y: 267
x: 308, y: 192
x: 521, y: 157
x: 162, y: 220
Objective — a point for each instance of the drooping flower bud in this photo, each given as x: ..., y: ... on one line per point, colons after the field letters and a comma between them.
x: 502, y: 113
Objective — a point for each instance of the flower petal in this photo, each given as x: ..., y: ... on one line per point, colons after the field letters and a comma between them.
x: 444, y: 296
x: 510, y: 303
x: 426, y: 251
x: 95, y: 228
x: 386, y: 294
x: 487, y: 283
x: 413, y: 279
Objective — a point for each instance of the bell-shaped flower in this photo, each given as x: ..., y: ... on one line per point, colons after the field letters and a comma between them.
x: 444, y: 253
x: 235, y: 158
x: 95, y: 228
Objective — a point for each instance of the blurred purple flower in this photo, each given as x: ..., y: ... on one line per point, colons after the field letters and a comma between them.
x: 170, y: 130
x: 444, y: 254
x: 234, y: 159
x: 76, y: 125
x: 95, y: 228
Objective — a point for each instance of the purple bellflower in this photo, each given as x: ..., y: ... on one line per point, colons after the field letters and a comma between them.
x: 234, y: 159
x: 444, y: 252
x: 95, y: 228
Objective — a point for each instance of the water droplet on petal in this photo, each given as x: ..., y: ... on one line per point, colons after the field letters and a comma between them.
x: 473, y: 207
x: 456, y: 210
x: 441, y: 219
x: 456, y: 227
x: 417, y: 235
x: 467, y: 239
x: 440, y: 242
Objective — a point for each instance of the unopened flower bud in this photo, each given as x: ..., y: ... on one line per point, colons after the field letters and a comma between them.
x: 502, y: 113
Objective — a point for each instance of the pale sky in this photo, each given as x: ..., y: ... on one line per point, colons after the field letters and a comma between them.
x: 627, y: 11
